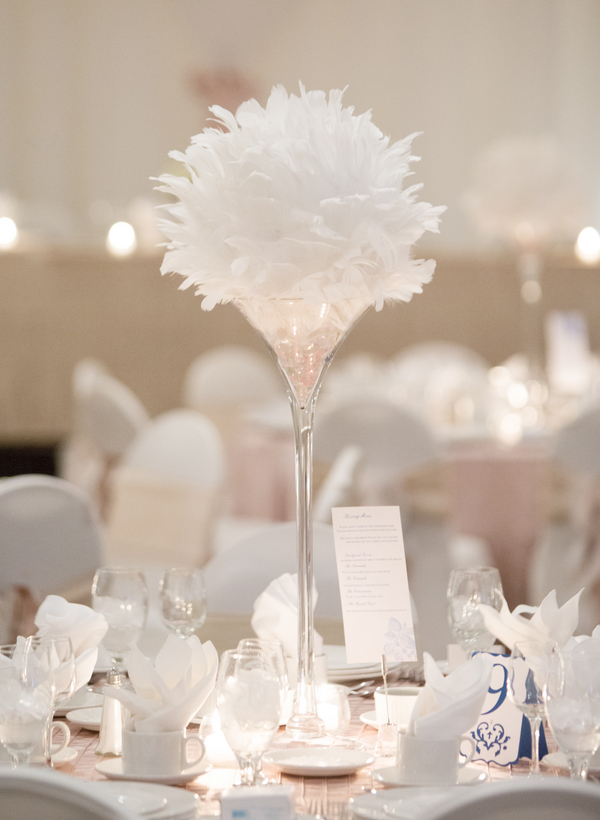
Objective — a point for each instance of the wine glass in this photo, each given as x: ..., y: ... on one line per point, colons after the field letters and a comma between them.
x: 120, y: 594
x: 56, y: 653
x: 527, y: 676
x: 572, y: 697
x: 25, y: 701
x: 249, y: 706
x: 183, y: 600
x: 274, y: 650
x: 467, y: 588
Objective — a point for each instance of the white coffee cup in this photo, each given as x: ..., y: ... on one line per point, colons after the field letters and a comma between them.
x: 157, y: 754
x: 401, y: 700
x: 38, y: 756
x: 425, y: 762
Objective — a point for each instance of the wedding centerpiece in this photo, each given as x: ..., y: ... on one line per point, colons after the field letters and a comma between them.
x: 297, y: 214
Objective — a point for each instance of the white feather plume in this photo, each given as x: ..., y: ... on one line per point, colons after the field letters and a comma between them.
x: 301, y: 199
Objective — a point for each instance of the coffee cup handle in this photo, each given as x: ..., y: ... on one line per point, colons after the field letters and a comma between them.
x: 469, y: 757
x: 66, y: 733
x: 190, y: 742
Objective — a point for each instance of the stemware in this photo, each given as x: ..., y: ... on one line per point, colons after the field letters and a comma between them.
x: 572, y: 697
x: 467, y: 588
x: 25, y: 701
x: 249, y: 706
x: 527, y: 677
x: 55, y: 653
x: 183, y: 600
x: 120, y: 594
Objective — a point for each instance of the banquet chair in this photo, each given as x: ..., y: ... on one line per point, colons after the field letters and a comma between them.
x: 108, y: 416
x: 165, y: 494
x: 546, y: 798
x: 566, y: 557
x: 226, y: 381
x: 234, y: 579
x: 340, y: 486
x: 31, y: 794
x: 395, y: 444
x: 50, y: 541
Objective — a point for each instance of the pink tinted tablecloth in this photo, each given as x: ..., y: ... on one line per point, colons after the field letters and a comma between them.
x: 501, y: 494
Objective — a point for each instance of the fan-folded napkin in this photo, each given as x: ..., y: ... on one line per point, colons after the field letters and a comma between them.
x: 276, y: 614
x: 547, y: 622
x: 170, y: 691
x: 449, y: 706
x: 56, y: 617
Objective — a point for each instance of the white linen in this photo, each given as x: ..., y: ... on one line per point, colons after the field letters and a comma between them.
x: 449, y: 706
x: 57, y: 617
x: 276, y: 614
x: 170, y: 691
x: 547, y: 622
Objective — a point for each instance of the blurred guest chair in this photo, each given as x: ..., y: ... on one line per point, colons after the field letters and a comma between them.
x: 165, y: 494
x: 108, y: 416
x: 50, y: 542
x: 567, y: 555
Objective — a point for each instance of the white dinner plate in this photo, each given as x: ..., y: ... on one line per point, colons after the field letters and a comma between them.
x: 557, y: 760
x: 370, y: 719
x: 135, y: 797
x: 468, y: 775
x: 66, y: 755
x: 88, y: 718
x: 113, y: 769
x: 82, y: 699
x: 318, y: 762
x: 406, y: 803
x: 175, y: 802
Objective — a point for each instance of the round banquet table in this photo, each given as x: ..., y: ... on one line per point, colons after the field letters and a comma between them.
x: 308, y: 790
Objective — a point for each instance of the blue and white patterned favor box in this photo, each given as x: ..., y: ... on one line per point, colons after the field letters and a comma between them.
x: 502, y: 733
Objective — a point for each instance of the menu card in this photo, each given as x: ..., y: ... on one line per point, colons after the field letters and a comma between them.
x: 373, y: 584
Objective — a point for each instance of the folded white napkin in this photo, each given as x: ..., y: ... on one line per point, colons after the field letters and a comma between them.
x: 56, y: 617
x: 276, y: 614
x: 169, y: 692
x: 449, y: 706
x: 547, y: 622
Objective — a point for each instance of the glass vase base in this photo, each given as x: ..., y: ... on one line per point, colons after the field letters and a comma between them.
x: 304, y: 727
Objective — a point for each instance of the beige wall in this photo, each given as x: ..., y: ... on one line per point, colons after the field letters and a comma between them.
x: 56, y: 308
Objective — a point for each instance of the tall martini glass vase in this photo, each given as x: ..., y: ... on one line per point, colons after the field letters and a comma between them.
x: 303, y: 337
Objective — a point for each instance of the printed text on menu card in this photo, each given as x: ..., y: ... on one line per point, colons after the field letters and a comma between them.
x: 373, y: 584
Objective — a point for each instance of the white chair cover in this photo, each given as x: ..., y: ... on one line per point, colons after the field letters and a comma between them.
x: 32, y: 794
x: 339, y: 489
x: 50, y: 537
x: 165, y: 495
x: 548, y: 798
x: 234, y: 579
x: 567, y: 555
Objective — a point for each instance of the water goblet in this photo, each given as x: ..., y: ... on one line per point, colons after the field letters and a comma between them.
x: 120, y: 594
x: 25, y: 702
x: 467, y: 588
x: 572, y: 698
x: 527, y: 677
x: 274, y: 650
x: 249, y: 706
x: 183, y: 600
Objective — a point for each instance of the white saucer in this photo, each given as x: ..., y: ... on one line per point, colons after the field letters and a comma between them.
x: 318, y: 762
x: 136, y: 798
x: 112, y: 768
x: 557, y: 760
x: 370, y: 718
x: 407, y: 802
x: 468, y: 775
x: 66, y: 755
x: 87, y: 718
x: 176, y: 802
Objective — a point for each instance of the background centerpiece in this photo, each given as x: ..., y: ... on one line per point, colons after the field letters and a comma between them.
x: 297, y: 214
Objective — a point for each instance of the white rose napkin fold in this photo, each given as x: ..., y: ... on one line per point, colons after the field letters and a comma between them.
x: 449, y: 706
x: 276, y: 614
x: 57, y: 617
x: 170, y: 691
x: 547, y: 622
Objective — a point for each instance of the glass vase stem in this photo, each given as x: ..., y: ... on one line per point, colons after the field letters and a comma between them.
x: 305, y: 721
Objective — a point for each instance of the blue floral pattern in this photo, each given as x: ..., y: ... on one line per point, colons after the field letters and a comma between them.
x: 400, y: 639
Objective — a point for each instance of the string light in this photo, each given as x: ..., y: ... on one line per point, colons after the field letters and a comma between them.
x: 587, y: 247
x: 121, y: 240
x: 8, y: 233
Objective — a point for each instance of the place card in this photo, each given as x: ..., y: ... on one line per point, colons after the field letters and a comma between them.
x: 374, y: 590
